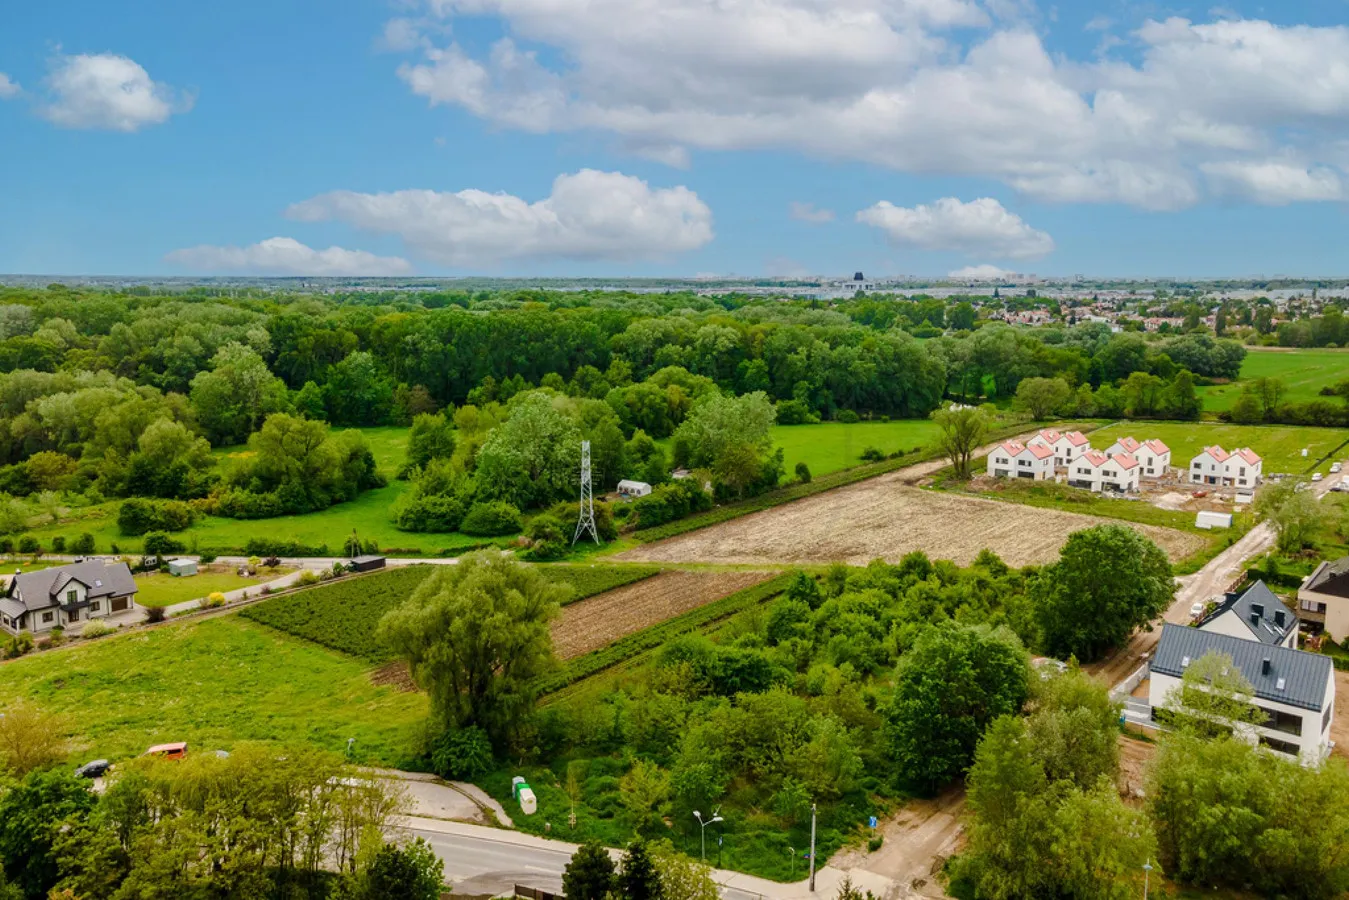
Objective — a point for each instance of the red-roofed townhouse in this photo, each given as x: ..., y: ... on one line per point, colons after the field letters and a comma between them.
x: 1123, y: 445
x: 1121, y: 472
x: 1210, y: 466
x: 1013, y: 459
x: 1154, y: 457
x: 1243, y: 468
x: 1067, y: 446
x: 1086, y: 470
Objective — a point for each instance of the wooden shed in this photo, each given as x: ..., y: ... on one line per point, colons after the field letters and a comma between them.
x: 367, y: 563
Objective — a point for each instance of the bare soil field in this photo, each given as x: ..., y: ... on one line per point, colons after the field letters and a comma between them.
x: 918, y: 840
x: 600, y: 620
x: 884, y: 518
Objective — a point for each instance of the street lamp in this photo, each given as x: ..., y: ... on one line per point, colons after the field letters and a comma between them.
x: 1147, y: 869
x: 703, y: 825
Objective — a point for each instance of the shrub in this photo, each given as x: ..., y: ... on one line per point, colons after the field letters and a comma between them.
x: 207, y: 558
x: 59, y: 544
x: 875, y: 843
x: 214, y: 600
x: 160, y: 543
x: 491, y: 519
x: 96, y: 629
x: 29, y: 544
x: 6, y: 545
x: 307, y: 578
x: 272, y: 547
x: 154, y: 614
x: 139, y: 516
x: 803, y: 472
x: 871, y: 454
x: 847, y: 417
x: 464, y: 754
x: 434, y: 512
x: 56, y: 637
x: 671, y: 501
x: 83, y: 545
x: 547, y: 537
x: 19, y: 644
x: 795, y: 412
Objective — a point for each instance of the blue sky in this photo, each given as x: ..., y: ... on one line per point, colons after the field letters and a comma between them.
x: 650, y: 137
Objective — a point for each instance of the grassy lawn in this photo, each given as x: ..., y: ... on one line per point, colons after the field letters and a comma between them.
x: 1279, y: 445
x: 215, y: 683
x: 160, y: 589
x: 1303, y: 371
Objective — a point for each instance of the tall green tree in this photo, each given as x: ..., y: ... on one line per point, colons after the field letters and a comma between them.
x: 963, y: 429
x: 589, y: 874
x: 233, y: 398
x: 638, y: 878
x: 533, y: 458
x: 476, y: 638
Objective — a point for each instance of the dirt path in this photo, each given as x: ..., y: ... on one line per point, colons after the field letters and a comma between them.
x: 600, y: 620
x: 918, y: 840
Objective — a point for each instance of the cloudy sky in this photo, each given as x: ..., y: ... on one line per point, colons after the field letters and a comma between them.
x: 650, y: 137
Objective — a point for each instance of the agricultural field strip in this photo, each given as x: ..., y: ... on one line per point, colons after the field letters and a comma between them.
x: 589, y: 580
x: 882, y: 518
x: 600, y: 620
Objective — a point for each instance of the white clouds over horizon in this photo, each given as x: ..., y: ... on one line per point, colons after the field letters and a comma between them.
x: 981, y: 227
x: 286, y: 256
x: 589, y: 215
x: 110, y: 92
x: 921, y: 86
x: 985, y: 272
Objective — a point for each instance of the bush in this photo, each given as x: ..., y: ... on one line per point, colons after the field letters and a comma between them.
x: 160, y: 543
x: 430, y: 513
x: 97, y: 629
x: 671, y: 501
x: 214, y: 600
x: 208, y: 558
x: 56, y: 637
x: 6, y: 545
x: 803, y: 472
x: 795, y: 412
x: 491, y: 520
x: 83, y: 545
x: 308, y: 578
x: 139, y: 516
x: 875, y: 843
x: 29, y: 544
x: 239, y: 504
x: 871, y: 454
x: 847, y: 417
x: 464, y: 754
x: 18, y: 645
x: 548, y: 540
x: 272, y: 547
x: 59, y: 544
x: 154, y: 614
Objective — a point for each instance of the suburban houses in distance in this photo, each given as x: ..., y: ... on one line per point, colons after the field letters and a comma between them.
x: 1120, y: 468
x: 67, y: 595
x: 1293, y: 688
x: 1214, y: 465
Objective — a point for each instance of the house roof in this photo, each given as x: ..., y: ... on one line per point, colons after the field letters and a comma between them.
x: 1331, y: 577
x: 1095, y: 457
x: 1157, y: 446
x: 12, y: 608
x: 1076, y: 438
x: 1246, y: 453
x: 1014, y: 448
x: 1217, y: 453
x: 1050, y: 435
x: 1303, y: 675
x: 1040, y: 451
x: 1256, y: 608
x: 41, y: 589
x: 1129, y: 444
x: 1125, y: 461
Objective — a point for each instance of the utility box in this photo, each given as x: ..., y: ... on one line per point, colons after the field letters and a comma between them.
x: 367, y: 563
x: 1213, y: 520
x: 523, y: 793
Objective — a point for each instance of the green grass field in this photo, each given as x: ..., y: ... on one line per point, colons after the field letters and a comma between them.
x: 832, y: 446
x: 160, y: 589
x: 1279, y: 445
x: 215, y: 683
x: 1303, y: 371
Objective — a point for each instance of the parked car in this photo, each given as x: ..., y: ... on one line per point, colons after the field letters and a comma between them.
x: 95, y: 769
x: 1335, y: 468
x: 1316, y: 476
x: 168, y: 751
x: 1196, y: 610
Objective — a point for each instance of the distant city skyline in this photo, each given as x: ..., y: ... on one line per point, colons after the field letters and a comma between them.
x: 669, y: 138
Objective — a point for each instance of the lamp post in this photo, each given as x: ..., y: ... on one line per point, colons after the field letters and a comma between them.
x: 812, y: 848
x: 703, y: 829
x: 1147, y: 870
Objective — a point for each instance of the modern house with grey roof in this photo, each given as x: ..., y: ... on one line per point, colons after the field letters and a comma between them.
x: 1294, y: 689
x: 66, y: 595
x: 1255, y: 614
x: 1323, y: 599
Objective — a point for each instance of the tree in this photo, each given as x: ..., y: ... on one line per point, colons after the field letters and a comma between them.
x: 948, y: 688
x: 476, y: 638
x: 413, y: 872
x: 356, y: 392
x: 637, y: 878
x: 32, y: 814
x: 1042, y: 397
x: 30, y: 738
x: 1109, y: 581
x: 234, y: 397
x: 1213, y: 698
x: 533, y: 458
x: 1270, y: 392
x: 963, y: 429
x: 961, y: 317
x: 589, y: 874
x: 645, y: 794
x: 431, y: 437
x: 722, y: 424
x: 1295, y: 514
x: 682, y: 878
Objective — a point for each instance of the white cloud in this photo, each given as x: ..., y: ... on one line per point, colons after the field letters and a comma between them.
x: 287, y: 256
x: 8, y: 88
x: 589, y: 215
x: 1274, y: 182
x: 984, y: 272
x: 980, y: 227
x: 809, y: 212
x: 905, y: 84
x: 110, y: 92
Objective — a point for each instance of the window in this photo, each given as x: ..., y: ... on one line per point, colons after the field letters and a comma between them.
x: 72, y: 596
x: 1281, y: 746
x: 46, y: 617
x: 1325, y: 717
x: 93, y: 607
x: 1281, y: 721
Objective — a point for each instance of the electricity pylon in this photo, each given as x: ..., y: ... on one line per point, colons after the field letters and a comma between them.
x: 586, y: 521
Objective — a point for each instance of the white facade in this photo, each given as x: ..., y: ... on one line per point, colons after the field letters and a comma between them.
x: 1123, y: 445
x: 628, y: 488
x: 1013, y: 459
x: 1067, y: 446
x: 1231, y: 624
x: 1154, y: 457
x: 1120, y: 472
x: 1242, y: 468
x: 1304, y: 733
x: 1209, y: 466
x: 1087, y: 470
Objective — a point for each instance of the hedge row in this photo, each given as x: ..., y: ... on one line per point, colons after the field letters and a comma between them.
x: 626, y: 648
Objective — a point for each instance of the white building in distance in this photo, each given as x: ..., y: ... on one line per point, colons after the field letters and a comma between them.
x: 1013, y: 459
x: 1067, y: 446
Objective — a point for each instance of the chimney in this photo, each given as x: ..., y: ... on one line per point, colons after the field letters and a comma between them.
x: 1264, y: 666
x: 1258, y: 610
x: 1255, y: 620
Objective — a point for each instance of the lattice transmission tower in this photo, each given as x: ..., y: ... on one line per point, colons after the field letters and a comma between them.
x: 587, y: 518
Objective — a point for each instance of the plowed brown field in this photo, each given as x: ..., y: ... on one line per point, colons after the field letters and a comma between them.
x: 884, y: 518
x: 600, y: 620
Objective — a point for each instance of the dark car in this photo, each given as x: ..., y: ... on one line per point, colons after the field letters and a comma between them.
x: 96, y: 769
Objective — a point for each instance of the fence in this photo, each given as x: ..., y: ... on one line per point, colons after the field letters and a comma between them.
x: 535, y: 894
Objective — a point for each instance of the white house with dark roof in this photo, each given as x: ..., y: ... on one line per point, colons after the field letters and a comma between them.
x: 1013, y: 459
x: 1294, y: 689
x: 1067, y: 446
x: 1155, y: 458
x: 1256, y: 614
x: 66, y: 595
x: 1323, y: 599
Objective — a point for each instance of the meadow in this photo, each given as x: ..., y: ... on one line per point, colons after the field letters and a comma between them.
x: 160, y: 589
x: 1303, y: 371
x: 215, y: 683
x: 1279, y: 445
